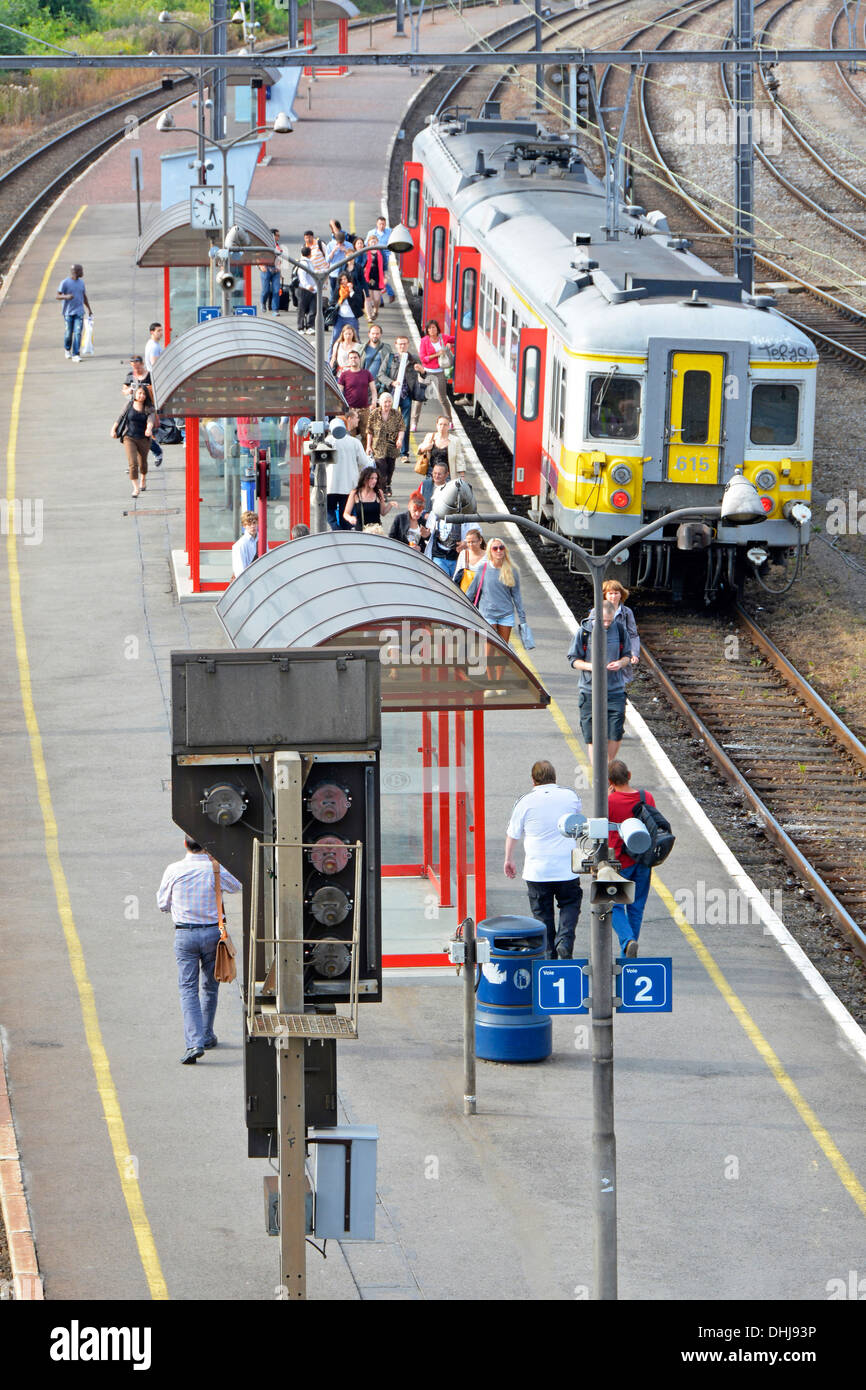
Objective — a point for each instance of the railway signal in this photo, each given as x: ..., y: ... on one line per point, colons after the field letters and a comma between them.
x: 582, y: 99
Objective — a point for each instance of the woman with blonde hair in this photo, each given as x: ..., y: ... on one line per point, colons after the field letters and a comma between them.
x: 495, y: 590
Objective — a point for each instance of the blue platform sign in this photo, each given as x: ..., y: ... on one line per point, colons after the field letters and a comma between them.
x: 559, y: 987
x: 244, y: 311
x: 645, y: 986
x: 208, y: 311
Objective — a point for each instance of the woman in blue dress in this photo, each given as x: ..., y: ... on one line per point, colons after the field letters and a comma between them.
x: 495, y: 590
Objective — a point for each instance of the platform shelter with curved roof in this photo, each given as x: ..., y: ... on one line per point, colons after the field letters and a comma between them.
x: 345, y: 590
x: 240, y: 366
x: 169, y: 240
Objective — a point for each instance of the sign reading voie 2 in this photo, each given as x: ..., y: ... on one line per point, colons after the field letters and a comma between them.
x: 645, y: 986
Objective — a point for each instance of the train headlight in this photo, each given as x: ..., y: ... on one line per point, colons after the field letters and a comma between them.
x: 768, y: 504
x: 620, y: 499
x: 621, y: 474
x: 766, y: 478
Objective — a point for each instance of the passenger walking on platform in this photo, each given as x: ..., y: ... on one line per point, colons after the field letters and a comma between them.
x: 614, y: 593
x: 440, y: 444
x: 245, y: 550
x: 318, y: 256
x: 437, y: 476
x: 366, y: 503
x: 375, y: 353
x: 382, y: 232
x: 359, y: 389
x: 437, y: 358
x: 138, y: 375
x: 342, y: 346
x: 618, y: 658
x: 622, y: 801
x: 473, y: 553
x: 135, y: 427
x: 75, y: 301
x: 343, y: 472
x: 495, y: 590
x: 306, y: 295
x: 550, y: 880
x: 154, y: 347
x: 271, y: 267
x: 409, y: 526
x: 335, y: 253
x: 188, y: 892
x: 348, y: 306
x: 385, y: 434
x: 374, y: 278
x: 412, y: 391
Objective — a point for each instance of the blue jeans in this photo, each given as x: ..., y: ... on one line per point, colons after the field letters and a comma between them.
x: 72, y: 340
x: 569, y: 896
x: 626, y: 921
x: 446, y: 563
x: 271, y: 288
x: 195, y: 951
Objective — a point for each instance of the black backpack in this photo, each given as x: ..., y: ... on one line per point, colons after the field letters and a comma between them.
x: 663, y: 838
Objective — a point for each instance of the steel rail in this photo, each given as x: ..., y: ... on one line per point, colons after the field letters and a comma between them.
x: 772, y: 828
x: 783, y: 272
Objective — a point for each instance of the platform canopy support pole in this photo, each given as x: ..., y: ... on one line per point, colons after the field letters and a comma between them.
x: 291, y: 1120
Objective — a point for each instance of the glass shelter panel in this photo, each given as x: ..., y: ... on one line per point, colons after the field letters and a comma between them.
x: 227, y: 486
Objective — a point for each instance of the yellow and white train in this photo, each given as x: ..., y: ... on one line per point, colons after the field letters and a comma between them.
x: 628, y: 377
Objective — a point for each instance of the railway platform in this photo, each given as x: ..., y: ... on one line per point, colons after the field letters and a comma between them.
x: 742, y: 1159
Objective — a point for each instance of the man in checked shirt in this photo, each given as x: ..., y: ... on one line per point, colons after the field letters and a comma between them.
x: 187, y: 891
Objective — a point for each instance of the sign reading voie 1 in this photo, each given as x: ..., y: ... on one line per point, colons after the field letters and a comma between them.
x: 645, y: 986
x: 559, y: 987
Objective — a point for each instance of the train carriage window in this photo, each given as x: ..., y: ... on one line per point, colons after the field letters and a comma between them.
x: 515, y: 334
x: 614, y: 407
x: 437, y: 259
x: 775, y: 413
x: 696, y: 407
x: 412, y: 203
x: 494, y: 335
x: 467, y: 299
x: 560, y: 429
x: 529, y: 403
x: 554, y: 398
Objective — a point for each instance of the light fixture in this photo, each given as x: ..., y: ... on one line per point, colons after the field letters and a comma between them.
x: 741, y: 505
x: 165, y: 122
x: 236, y: 237
x: 302, y: 427
x: 282, y: 124
x: 454, y: 496
x: 400, y: 239
x: 164, y: 17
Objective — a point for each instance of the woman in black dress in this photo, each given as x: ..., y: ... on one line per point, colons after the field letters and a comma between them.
x: 367, y: 502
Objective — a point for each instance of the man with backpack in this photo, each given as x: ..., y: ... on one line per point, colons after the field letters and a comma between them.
x: 617, y: 659
x: 623, y: 803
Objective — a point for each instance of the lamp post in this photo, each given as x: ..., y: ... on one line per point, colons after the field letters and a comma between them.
x: 399, y: 241
x: 281, y: 126
x: 741, y: 506
x: 201, y: 34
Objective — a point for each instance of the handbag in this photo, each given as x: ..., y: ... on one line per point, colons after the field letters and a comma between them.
x: 120, y: 427
x: 422, y: 465
x: 167, y: 432
x: 224, y: 968
x: 526, y: 637
x: 446, y: 359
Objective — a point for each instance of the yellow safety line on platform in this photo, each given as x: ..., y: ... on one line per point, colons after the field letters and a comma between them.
x: 842, y: 1169
x: 105, y: 1085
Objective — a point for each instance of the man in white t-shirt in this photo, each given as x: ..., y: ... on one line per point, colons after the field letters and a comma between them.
x: 547, y: 857
x: 154, y: 347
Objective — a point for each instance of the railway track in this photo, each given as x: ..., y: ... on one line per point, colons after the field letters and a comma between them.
x: 27, y: 188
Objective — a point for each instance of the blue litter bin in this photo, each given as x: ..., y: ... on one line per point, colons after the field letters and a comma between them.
x: 248, y: 494
x: 506, y: 1027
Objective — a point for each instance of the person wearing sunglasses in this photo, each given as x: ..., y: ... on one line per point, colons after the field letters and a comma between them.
x: 495, y: 590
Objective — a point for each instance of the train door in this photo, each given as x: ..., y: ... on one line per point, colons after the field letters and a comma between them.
x: 467, y: 275
x: 694, y: 424
x: 529, y: 412
x: 410, y: 215
x: 435, y: 267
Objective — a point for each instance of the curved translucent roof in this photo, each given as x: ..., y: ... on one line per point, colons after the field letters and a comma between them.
x: 344, y: 590
x: 331, y: 9
x: 169, y: 239
x: 240, y: 366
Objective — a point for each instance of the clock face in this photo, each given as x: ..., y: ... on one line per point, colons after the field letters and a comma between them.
x: 206, y: 207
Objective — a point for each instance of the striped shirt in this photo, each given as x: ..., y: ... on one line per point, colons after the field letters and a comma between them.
x: 187, y: 890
